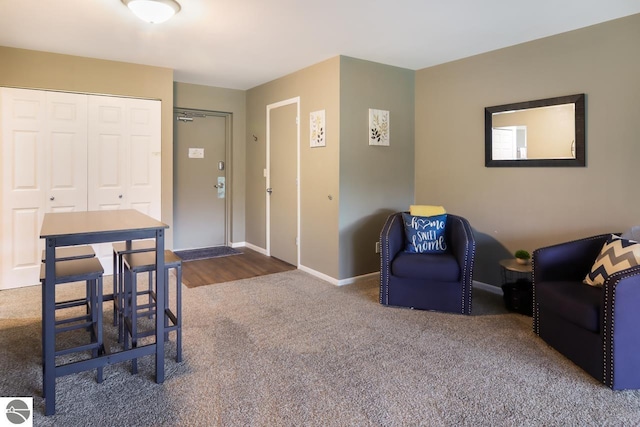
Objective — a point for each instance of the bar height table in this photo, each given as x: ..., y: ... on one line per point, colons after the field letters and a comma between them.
x: 78, y: 228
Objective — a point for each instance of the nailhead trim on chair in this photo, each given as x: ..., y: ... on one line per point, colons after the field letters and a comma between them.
x: 384, y: 278
x: 467, y: 281
x: 608, y: 324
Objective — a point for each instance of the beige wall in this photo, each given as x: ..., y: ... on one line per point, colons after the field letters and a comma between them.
x: 318, y: 89
x: 228, y: 101
x: 374, y: 181
x: 41, y: 70
x: 513, y: 208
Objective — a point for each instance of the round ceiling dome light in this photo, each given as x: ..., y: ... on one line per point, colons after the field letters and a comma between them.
x: 153, y: 11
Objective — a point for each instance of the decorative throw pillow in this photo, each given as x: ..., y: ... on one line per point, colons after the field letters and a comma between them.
x: 425, y: 234
x: 616, y: 255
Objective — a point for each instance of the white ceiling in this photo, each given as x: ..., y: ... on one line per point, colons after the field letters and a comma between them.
x: 240, y: 44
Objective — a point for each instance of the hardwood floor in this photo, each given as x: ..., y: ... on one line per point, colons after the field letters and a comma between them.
x: 235, y: 267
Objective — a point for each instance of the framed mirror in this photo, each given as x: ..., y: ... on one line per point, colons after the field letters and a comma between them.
x: 545, y: 132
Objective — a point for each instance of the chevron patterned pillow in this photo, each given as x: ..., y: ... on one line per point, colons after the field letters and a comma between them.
x: 616, y: 255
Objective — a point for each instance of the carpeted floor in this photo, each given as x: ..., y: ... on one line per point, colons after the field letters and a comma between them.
x: 288, y: 349
x: 206, y: 253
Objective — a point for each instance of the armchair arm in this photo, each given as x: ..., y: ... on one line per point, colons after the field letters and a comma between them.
x: 462, y: 245
x: 392, y: 236
x: 567, y: 261
x: 620, y: 319
x: 391, y: 242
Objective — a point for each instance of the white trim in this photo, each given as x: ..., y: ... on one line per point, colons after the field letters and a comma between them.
x: 295, y: 100
x: 336, y: 282
x: 258, y: 249
x: 487, y: 287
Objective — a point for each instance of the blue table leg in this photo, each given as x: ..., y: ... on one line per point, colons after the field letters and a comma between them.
x: 48, y: 330
x: 160, y: 298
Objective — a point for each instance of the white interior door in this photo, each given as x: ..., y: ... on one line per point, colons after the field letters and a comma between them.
x: 283, y: 174
x: 43, y: 145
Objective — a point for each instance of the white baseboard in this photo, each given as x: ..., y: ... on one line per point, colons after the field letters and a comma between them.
x: 487, y: 287
x: 336, y: 282
x: 250, y: 246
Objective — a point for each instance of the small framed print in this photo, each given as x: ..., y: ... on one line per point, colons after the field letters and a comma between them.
x: 317, y: 129
x: 378, y: 127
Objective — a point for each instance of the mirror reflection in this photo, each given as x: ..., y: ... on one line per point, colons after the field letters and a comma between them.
x: 547, y: 132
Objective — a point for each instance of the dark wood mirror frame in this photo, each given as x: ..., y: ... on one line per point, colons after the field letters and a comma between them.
x: 580, y: 155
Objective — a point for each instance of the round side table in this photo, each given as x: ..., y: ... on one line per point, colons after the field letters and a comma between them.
x: 512, y: 270
x: 517, y: 286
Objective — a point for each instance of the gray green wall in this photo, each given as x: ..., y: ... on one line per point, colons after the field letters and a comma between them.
x: 513, y: 208
x: 41, y: 70
x: 318, y: 89
x: 228, y: 101
x: 375, y: 181
x: 347, y: 188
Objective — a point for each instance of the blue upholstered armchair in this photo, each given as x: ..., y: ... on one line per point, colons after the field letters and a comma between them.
x: 598, y: 328
x: 440, y: 282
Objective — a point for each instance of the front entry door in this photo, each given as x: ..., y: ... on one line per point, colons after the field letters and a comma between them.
x: 283, y: 177
x: 201, y: 187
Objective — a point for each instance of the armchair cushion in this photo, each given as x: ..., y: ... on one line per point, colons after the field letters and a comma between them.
x: 425, y: 234
x: 617, y: 254
x: 430, y: 268
x: 573, y: 301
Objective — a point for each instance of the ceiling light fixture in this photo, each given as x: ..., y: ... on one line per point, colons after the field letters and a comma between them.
x: 153, y: 11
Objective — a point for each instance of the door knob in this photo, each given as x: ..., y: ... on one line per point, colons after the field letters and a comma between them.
x: 269, y: 190
x: 52, y: 198
x: 120, y: 196
x: 219, y: 185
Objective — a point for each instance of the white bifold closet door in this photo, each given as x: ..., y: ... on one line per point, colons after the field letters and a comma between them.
x: 58, y: 155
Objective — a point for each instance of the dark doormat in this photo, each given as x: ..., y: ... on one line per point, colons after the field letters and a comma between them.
x: 205, y: 253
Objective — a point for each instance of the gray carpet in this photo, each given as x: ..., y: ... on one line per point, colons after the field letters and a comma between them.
x: 290, y: 350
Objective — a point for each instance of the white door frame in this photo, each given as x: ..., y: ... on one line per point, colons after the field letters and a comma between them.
x: 270, y: 107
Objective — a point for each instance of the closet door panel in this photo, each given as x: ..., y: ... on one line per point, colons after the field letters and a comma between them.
x: 43, y: 145
x: 66, y: 156
x: 23, y: 187
x: 107, y: 153
x: 144, y: 151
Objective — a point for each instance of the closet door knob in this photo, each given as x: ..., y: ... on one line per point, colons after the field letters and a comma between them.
x: 51, y: 198
x: 120, y: 196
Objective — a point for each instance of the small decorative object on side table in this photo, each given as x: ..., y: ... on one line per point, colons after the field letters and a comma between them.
x: 517, y: 286
x: 522, y: 256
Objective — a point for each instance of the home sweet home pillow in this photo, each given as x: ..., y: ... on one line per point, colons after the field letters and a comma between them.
x: 617, y: 254
x: 425, y: 234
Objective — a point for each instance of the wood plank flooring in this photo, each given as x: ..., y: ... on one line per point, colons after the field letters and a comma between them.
x: 235, y: 267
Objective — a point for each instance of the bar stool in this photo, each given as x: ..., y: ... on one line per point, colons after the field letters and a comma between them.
x: 119, y: 250
x: 142, y: 262
x: 76, y: 270
x: 67, y: 253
